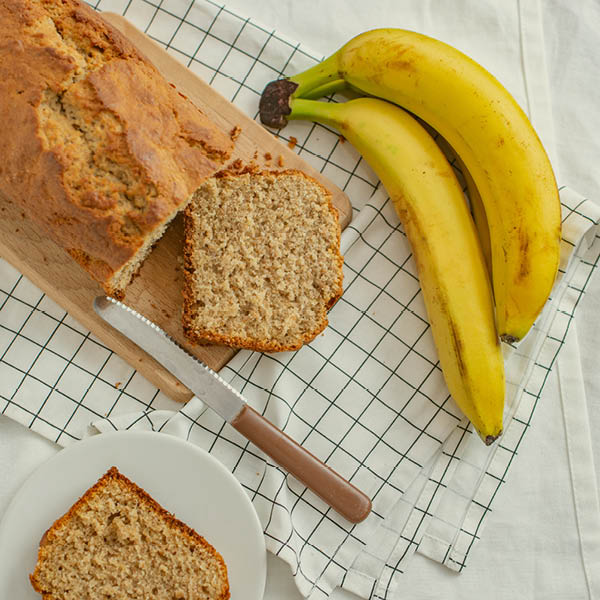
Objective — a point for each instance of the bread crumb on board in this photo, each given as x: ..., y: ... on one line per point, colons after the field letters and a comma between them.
x: 280, y: 161
x: 292, y: 143
x: 268, y: 156
x: 238, y: 167
x: 234, y: 134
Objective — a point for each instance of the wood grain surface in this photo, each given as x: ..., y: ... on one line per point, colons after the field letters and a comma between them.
x: 156, y: 292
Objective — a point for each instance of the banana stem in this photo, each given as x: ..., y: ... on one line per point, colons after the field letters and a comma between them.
x: 327, y: 113
x: 320, y: 80
x: 315, y: 77
x: 331, y: 87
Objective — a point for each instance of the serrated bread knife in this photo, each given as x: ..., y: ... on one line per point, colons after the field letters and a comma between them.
x: 227, y: 402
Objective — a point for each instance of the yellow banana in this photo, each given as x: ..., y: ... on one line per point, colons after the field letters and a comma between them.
x: 486, y: 128
x: 478, y: 212
x: 477, y: 208
x: 433, y: 211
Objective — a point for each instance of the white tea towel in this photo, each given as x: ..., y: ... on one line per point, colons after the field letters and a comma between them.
x: 445, y: 498
x: 581, y: 460
x: 367, y: 396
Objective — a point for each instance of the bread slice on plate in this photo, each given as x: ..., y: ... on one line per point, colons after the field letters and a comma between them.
x: 262, y: 260
x: 117, y: 542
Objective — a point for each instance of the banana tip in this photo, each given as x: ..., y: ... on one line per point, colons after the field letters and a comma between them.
x: 274, y: 105
x: 509, y: 339
x: 490, y: 439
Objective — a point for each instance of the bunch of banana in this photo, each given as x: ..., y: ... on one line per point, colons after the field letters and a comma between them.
x: 487, y: 130
x: 511, y: 184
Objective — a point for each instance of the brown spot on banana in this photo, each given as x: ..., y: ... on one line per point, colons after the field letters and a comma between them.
x: 525, y: 267
x: 458, y: 346
x: 402, y: 65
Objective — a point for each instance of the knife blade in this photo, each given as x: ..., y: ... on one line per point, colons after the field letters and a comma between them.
x: 217, y: 394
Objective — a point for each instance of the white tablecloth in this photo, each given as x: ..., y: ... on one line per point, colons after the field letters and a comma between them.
x: 531, y: 544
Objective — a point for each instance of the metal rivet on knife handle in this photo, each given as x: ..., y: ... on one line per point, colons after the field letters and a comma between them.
x: 331, y: 487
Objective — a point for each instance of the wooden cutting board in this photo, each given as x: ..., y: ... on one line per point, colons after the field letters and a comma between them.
x: 156, y: 292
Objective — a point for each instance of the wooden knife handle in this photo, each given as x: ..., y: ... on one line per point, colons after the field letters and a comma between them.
x: 331, y: 487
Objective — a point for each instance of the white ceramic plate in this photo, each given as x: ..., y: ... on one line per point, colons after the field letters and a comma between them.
x: 184, y: 479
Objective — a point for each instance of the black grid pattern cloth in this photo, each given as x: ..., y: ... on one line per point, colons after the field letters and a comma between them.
x: 367, y: 396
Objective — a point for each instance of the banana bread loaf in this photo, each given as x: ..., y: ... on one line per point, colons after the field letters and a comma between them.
x: 262, y: 260
x: 95, y: 144
x: 117, y: 542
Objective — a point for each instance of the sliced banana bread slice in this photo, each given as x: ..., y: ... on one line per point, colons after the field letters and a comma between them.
x: 262, y: 260
x: 117, y: 542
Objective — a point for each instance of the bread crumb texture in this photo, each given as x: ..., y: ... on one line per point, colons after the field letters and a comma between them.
x: 117, y: 543
x: 96, y: 145
x: 262, y: 260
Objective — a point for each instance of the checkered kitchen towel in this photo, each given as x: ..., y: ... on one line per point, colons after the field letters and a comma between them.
x: 367, y: 396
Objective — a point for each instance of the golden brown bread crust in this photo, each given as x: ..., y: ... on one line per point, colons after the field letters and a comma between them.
x: 145, y: 499
x: 189, y: 298
x: 97, y: 146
